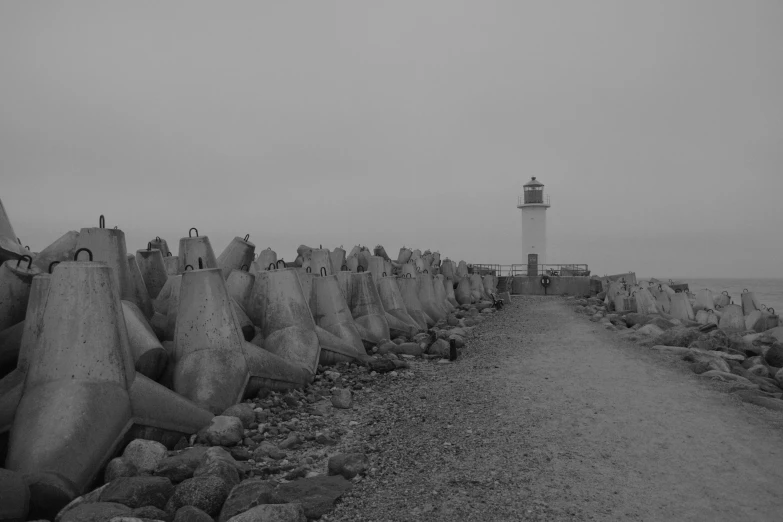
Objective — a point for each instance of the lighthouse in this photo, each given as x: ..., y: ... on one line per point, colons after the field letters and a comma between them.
x: 533, y: 205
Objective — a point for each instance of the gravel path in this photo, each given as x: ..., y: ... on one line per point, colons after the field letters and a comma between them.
x: 546, y: 416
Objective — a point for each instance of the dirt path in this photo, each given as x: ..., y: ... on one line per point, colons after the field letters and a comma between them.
x: 549, y: 417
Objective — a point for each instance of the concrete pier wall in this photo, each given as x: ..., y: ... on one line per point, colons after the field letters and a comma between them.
x: 558, y: 285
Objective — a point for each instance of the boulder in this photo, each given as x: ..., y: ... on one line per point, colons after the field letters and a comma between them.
x: 381, y: 365
x: 678, y: 336
x: 273, y: 513
x: 317, y: 494
x: 207, y: 493
x: 243, y: 411
x: 151, y: 513
x: 144, y: 454
x: 779, y: 377
x: 348, y: 464
x: 267, y: 449
x: 136, y: 492
x: 673, y: 350
x: 774, y: 355
x: 650, y: 329
x: 119, y: 467
x: 219, y: 468
x: 222, y: 431
x: 191, y: 514
x: 247, y: 495
x: 95, y: 512
x: 181, y: 465
x: 633, y: 319
x: 439, y: 348
x: 759, y: 370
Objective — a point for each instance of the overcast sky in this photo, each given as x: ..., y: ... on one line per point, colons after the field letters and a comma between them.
x: 656, y: 126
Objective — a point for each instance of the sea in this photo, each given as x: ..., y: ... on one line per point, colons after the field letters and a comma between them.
x: 768, y: 291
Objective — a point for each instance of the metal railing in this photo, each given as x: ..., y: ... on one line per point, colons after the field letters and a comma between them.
x: 556, y: 270
x: 521, y: 201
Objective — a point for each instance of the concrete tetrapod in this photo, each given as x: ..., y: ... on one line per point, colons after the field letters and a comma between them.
x: 704, y: 300
x: 10, y: 248
x: 331, y: 312
x: 645, y: 302
x: 306, y: 277
x: 409, y: 289
x: 448, y: 269
x: 409, y: 270
x: 731, y: 318
x: 681, y: 307
x: 477, y: 288
x: 279, y: 307
x: 238, y: 254
x: 441, y: 297
x: 240, y: 286
x: 11, y: 385
x: 140, y: 295
x: 61, y: 250
x: 265, y: 258
x: 172, y: 264
x: 320, y: 258
x: 400, y: 321
x: 149, y: 356
x: 463, y: 293
x: 404, y: 255
x: 81, y: 394
x: 108, y: 245
x: 749, y: 302
x: 152, y: 269
x: 193, y: 248
x: 377, y: 268
x: 10, y: 341
x: 367, y: 310
x: 160, y: 244
x: 426, y: 294
x: 461, y: 270
x: 337, y: 257
x: 490, y: 285
x: 209, y: 363
x: 448, y: 285
x: 16, y: 276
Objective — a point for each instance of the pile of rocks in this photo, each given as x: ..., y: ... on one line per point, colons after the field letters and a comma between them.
x: 731, y: 351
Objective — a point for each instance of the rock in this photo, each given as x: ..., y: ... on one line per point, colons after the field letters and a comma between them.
x: 181, y: 466
x: 759, y: 370
x: 267, y: 449
x: 293, y: 441
x: 381, y: 365
x: 206, y: 493
x: 95, y: 512
x: 673, y: 350
x: 633, y: 319
x: 678, y: 336
x: 317, y: 494
x: 151, y: 513
x: 221, y: 469
x: 119, y: 467
x: 90, y: 497
x: 439, y: 348
x: 342, y: 398
x: 712, y: 363
x: 700, y: 367
x: 144, y: 454
x: 136, y: 492
x: 408, y: 349
x: 348, y: 464
x: 222, y: 431
x: 774, y: 355
x: 753, y: 361
x: 14, y: 496
x: 247, y: 495
x: 650, y: 329
x: 191, y: 514
x: 243, y: 411
x: 273, y: 513
x: 240, y: 453
x: 754, y: 397
x: 726, y: 377
x: 325, y: 439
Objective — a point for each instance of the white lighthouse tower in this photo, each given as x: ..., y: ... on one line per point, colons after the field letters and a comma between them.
x: 533, y: 205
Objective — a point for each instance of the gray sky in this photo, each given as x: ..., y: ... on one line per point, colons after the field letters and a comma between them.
x: 656, y: 126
